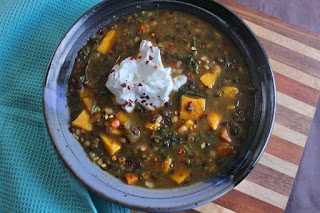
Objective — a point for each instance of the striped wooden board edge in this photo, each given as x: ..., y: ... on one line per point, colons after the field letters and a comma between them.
x: 294, y: 54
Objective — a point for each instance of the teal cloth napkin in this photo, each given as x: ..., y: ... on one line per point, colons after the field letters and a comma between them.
x: 32, y: 176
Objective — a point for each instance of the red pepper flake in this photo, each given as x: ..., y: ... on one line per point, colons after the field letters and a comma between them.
x: 111, y: 51
x: 153, y: 35
x: 170, y: 46
x: 158, y: 96
x: 147, y: 62
x: 147, y: 97
x: 181, y: 151
x: 131, y: 58
x: 139, y: 57
x: 140, y: 85
x: 202, y: 46
x: 112, y: 71
x: 143, y: 101
x: 143, y: 93
x: 146, y: 104
x: 124, y: 85
x: 135, y: 101
x: 150, y: 58
x: 130, y: 101
x: 151, y: 49
x: 154, y: 159
x: 195, y: 22
x: 151, y: 104
x: 128, y: 87
x: 117, y: 176
x: 156, y: 67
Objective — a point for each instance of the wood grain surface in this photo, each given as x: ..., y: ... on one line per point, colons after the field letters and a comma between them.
x: 294, y: 54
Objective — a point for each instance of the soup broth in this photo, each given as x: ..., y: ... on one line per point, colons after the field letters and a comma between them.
x: 190, y: 135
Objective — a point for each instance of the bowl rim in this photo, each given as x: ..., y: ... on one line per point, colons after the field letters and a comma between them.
x: 75, y: 170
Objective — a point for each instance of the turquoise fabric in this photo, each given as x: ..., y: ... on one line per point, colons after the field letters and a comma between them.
x: 32, y: 176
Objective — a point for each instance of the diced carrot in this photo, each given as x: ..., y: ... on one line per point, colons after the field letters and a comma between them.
x: 169, y: 16
x: 191, y: 77
x: 108, y: 41
x: 131, y: 178
x: 224, y: 149
x: 174, y: 65
x: 225, y: 136
x: 145, y: 28
x: 115, y: 123
x: 95, y: 117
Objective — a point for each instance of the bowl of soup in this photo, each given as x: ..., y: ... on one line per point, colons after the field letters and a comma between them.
x: 159, y: 105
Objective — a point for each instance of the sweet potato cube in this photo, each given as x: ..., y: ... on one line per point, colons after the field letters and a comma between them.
x: 191, y: 108
x: 116, y: 132
x: 166, y: 165
x: 122, y: 117
x: 131, y: 178
x: 180, y: 174
x: 154, y: 126
x: 88, y: 103
x: 83, y: 121
x: 225, y: 136
x: 231, y: 106
x: 214, y: 120
x: 107, y: 42
x: 110, y: 145
x: 230, y: 91
x: 188, y: 126
x: 209, y: 78
x: 84, y: 93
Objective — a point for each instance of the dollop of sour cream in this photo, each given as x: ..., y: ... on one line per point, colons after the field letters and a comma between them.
x: 143, y: 80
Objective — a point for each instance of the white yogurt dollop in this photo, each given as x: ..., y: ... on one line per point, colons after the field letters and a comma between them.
x: 143, y: 80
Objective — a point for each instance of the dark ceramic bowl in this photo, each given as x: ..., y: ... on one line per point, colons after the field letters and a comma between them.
x: 57, y: 114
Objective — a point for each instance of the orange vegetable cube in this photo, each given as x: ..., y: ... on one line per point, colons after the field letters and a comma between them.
x: 225, y: 136
x: 224, y: 149
x: 154, y: 126
x: 210, y: 78
x: 116, y: 132
x: 191, y: 108
x: 189, y: 125
x: 83, y: 121
x: 109, y: 144
x: 88, y: 103
x: 145, y: 28
x: 166, y: 165
x: 122, y: 117
x: 230, y: 91
x: 180, y: 175
x: 95, y: 117
x: 108, y: 41
x: 131, y: 178
x: 214, y: 120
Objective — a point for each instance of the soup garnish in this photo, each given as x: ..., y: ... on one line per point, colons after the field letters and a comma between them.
x: 160, y: 99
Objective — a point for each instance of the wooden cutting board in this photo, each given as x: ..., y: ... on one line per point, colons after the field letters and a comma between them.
x: 294, y: 54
